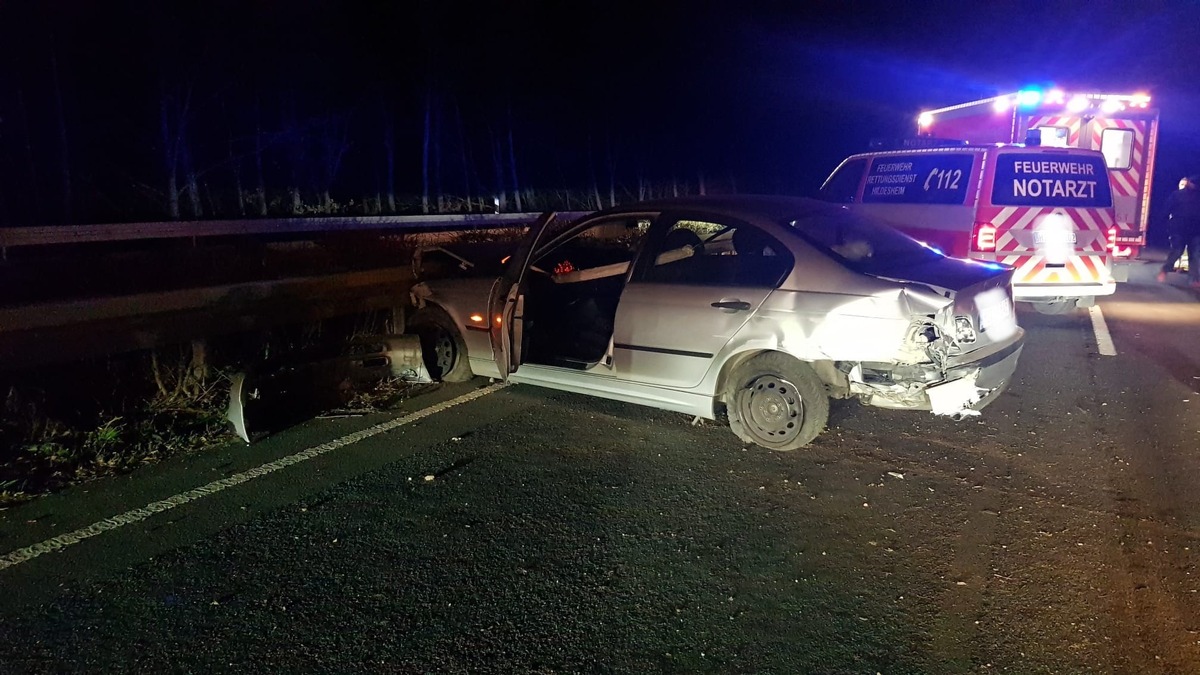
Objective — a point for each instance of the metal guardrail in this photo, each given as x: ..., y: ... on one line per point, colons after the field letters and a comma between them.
x: 67, y: 331
x: 51, y: 332
x: 79, y: 234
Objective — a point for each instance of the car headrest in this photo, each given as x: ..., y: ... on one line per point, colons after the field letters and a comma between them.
x: 749, y: 241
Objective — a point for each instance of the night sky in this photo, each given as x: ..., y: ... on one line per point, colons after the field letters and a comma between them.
x: 763, y: 97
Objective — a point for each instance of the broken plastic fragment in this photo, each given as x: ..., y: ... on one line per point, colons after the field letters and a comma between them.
x: 236, y: 412
x: 957, y: 397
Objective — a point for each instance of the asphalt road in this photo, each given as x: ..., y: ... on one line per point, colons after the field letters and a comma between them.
x: 1059, y: 532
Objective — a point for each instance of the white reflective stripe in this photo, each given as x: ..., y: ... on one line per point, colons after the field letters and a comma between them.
x: 1104, y: 342
x: 1004, y: 215
x: 1086, y: 216
x: 1125, y: 183
x: 1026, y: 218
x: 129, y: 517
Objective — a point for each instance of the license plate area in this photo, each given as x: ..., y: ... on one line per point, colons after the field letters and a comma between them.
x: 1053, y: 237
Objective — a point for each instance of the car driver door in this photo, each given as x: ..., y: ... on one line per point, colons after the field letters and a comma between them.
x: 507, y: 300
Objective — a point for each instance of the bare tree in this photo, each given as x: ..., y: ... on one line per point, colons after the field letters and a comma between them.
x: 437, y: 159
x: 512, y: 163
x: 23, y: 118
x: 595, y: 183
x: 389, y: 158
x: 173, y: 119
x: 498, y: 166
x: 425, y: 155
x: 612, y: 172
x: 334, y: 144
x: 462, y: 147
x: 235, y: 164
x: 190, y: 178
x: 295, y: 137
x: 260, y: 191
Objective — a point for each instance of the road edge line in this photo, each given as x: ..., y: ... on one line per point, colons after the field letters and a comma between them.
x: 1104, y: 341
x: 62, y: 541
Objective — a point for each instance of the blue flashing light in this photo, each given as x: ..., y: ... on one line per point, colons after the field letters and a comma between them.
x: 932, y: 248
x: 1027, y: 98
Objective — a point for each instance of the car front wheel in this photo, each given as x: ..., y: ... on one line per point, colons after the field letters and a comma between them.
x: 776, y: 402
x: 442, y: 345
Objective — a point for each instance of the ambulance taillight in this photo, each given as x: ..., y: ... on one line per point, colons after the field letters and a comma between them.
x: 984, y: 237
x: 1116, y: 249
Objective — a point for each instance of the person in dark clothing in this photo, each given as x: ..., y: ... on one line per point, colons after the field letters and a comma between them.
x: 1183, y: 225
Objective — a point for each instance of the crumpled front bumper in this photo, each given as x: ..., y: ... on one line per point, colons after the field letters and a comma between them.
x: 963, y: 386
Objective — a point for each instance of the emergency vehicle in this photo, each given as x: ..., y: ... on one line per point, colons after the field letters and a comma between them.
x: 1121, y: 126
x: 1045, y: 211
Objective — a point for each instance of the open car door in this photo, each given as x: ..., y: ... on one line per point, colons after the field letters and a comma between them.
x: 506, y: 306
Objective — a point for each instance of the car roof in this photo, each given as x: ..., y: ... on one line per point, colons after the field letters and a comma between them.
x: 768, y: 207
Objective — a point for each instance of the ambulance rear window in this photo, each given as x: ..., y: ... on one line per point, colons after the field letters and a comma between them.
x: 1051, y: 179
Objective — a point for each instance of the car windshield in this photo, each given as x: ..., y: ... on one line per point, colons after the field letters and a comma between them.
x: 862, y: 244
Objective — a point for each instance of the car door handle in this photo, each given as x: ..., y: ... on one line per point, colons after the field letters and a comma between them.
x: 732, y: 304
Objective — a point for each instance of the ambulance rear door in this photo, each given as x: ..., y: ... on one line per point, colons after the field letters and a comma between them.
x: 1047, y: 212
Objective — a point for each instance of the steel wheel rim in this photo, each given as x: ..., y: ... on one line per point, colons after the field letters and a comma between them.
x: 444, y: 351
x: 772, y: 409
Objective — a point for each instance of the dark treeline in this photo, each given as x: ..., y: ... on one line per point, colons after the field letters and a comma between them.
x: 131, y: 111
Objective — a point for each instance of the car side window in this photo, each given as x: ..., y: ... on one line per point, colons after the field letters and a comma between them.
x: 703, y: 253
x: 605, y: 248
x: 842, y: 186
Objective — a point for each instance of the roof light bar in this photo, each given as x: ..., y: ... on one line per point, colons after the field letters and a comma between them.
x: 1030, y: 98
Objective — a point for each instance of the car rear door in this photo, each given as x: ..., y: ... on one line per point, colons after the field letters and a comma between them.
x: 507, y: 299
x: 697, y: 282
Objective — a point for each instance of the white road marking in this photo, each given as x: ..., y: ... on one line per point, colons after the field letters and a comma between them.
x: 1104, y: 342
x: 129, y: 517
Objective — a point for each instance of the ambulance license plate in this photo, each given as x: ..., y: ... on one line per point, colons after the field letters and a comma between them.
x: 1053, y: 237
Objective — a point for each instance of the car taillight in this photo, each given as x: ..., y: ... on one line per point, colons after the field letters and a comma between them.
x: 984, y: 237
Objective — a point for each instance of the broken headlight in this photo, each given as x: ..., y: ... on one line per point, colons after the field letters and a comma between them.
x: 964, y: 330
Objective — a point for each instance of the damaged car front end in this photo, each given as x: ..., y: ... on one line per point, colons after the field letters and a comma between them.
x: 943, y: 366
x: 961, y: 343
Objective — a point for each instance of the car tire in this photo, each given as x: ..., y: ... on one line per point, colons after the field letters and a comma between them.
x: 776, y: 402
x: 442, y: 345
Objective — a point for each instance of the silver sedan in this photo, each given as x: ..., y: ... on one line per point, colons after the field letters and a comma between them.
x: 754, y: 309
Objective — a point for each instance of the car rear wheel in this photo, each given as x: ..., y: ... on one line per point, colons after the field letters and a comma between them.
x: 442, y: 345
x: 776, y: 402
